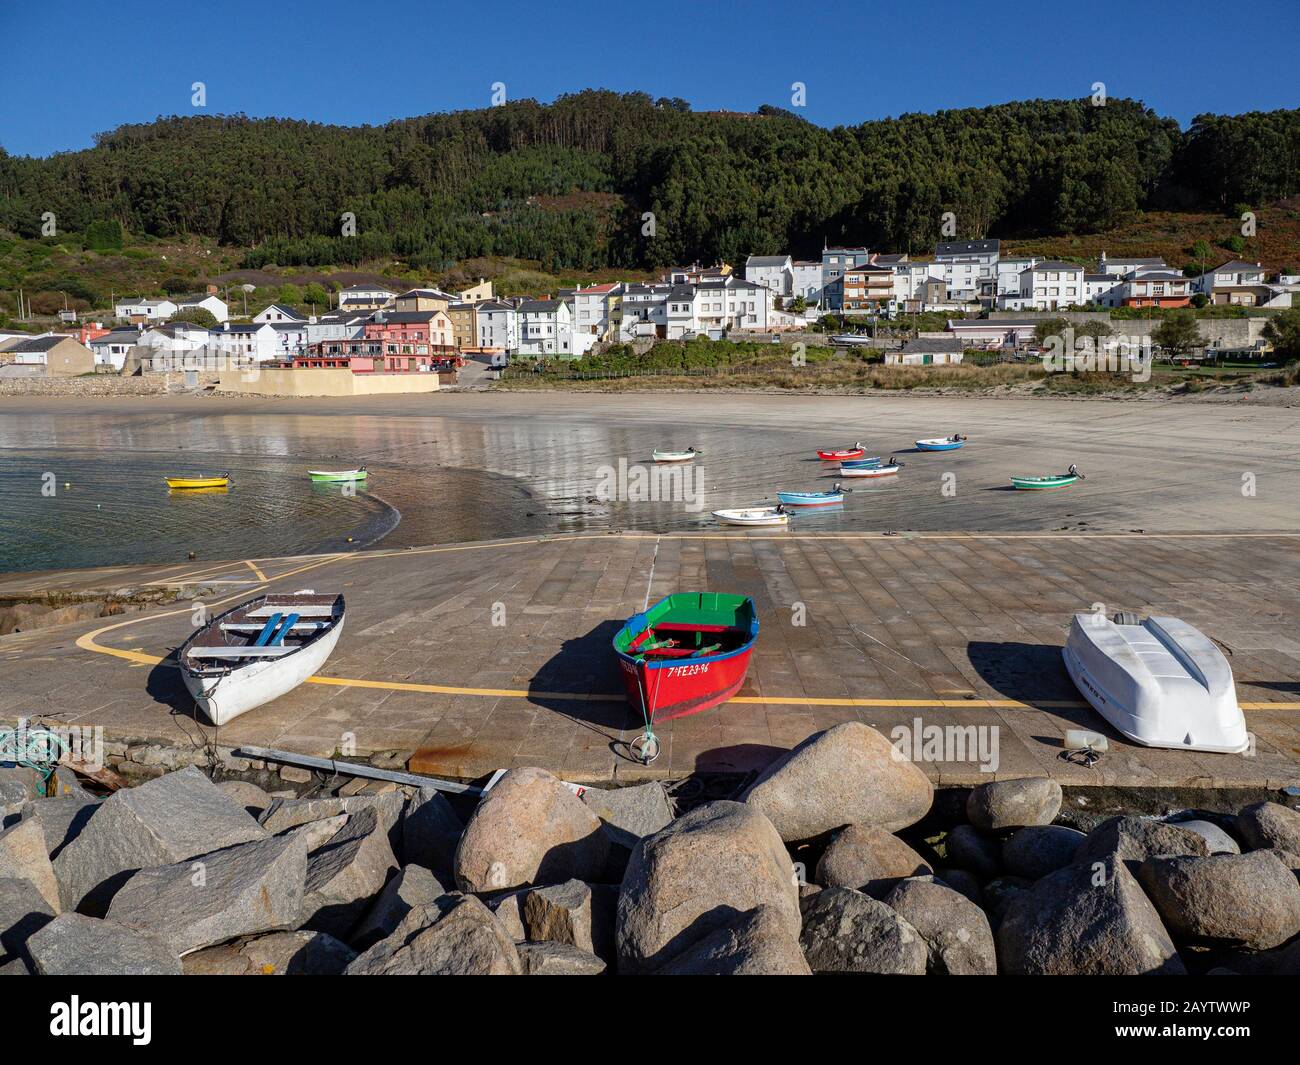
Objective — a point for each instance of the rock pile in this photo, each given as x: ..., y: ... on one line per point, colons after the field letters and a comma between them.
x: 180, y: 875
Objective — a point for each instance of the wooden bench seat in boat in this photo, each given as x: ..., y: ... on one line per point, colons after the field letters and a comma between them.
x: 303, y: 610
x: 240, y: 652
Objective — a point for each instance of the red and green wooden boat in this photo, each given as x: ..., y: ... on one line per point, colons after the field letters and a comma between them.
x: 687, y: 653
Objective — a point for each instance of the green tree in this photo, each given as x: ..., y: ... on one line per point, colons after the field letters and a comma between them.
x: 315, y: 294
x: 1283, y: 332
x: 1178, y: 334
x: 196, y: 316
x: 1050, y: 327
x: 290, y: 294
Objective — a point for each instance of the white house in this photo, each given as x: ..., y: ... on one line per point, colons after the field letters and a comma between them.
x: 1234, y: 282
x: 1103, y: 289
x: 773, y: 272
x: 806, y: 280
x: 174, y: 346
x: 970, y: 267
x: 1052, y: 285
x: 112, y: 348
x: 246, y: 343
x: 920, y: 287
x: 1008, y: 273
x: 592, y: 309
x: 927, y: 351
x: 291, y: 338
x: 498, y: 326
x: 545, y: 328
x: 644, y: 311
x: 145, y: 310
x: 365, y: 297
x: 717, y: 307
x: 214, y: 305
x: 278, y: 312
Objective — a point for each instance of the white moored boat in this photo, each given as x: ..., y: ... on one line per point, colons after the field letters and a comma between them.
x: 660, y: 455
x: 259, y: 651
x: 1160, y: 681
x: 753, y: 516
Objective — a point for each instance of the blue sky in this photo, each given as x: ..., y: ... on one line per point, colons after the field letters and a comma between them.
x: 72, y: 68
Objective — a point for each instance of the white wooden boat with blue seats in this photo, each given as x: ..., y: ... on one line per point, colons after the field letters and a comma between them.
x: 888, y: 469
x: 664, y: 455
x: 946, y: 443
x: 259, y: 650
x: 864, y: 463
x: 814, y: 500
x: 759, y: 516
x: 1159, y: 681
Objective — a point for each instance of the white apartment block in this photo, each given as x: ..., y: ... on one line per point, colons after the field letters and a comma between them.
x: 498, y: 326
x: 1048, y: 286
x: 545, y: 328
x: 774, y: 272
x: 593, y: 309
x: 806, y: 280
x: 717, y: 307
x: 644, y: 311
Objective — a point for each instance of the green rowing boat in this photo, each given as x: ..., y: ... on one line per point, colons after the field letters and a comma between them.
x: 1053, y: 480
x: 338, y: 475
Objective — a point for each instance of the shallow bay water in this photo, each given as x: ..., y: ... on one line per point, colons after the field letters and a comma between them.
x: 472, y: 467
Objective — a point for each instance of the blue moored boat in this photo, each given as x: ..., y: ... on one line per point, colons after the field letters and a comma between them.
x: 805, y: 500
x: 861, y: 464
x: 947, y: 443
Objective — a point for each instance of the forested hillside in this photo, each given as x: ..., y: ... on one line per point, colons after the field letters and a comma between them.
x: 567, y: 184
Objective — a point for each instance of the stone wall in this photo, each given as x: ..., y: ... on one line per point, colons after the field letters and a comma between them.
x: 1220, y: 332
x: 90, y: 385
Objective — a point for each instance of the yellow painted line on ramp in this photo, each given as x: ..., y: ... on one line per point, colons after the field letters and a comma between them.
x: 260, y: 575
x: 89, y: 642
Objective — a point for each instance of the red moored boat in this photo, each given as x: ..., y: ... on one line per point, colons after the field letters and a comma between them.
x: 687, y: 653
x: 854, y: 452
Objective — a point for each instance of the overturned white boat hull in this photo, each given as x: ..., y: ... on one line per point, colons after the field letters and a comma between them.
x: 1160, y: 683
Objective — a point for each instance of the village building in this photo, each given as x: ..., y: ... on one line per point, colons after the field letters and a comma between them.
x: 55, y: 355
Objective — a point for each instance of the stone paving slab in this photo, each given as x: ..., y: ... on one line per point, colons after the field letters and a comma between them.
x: 468, y: 658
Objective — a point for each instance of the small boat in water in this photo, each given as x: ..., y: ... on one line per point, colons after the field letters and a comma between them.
x: 687, y: 653
x: 1158, y: 680
x: 854, y: 452
x: 947, y: 443
x: 359, y: 474
x: 1051, y: 480
x: 811, y: 500
x: 754, y: 516
x: 874, y: 460
x: 182, y: 483
x: 259, y: 651
x: 889, y: 469
x: 675, y: 456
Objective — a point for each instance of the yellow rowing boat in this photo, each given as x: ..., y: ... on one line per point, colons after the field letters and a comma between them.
x: 222, y: 481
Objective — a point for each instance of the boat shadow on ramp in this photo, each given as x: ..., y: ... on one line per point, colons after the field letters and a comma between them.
x: 581, y: 682
x: 1034, y: 673
x: 164, y: 685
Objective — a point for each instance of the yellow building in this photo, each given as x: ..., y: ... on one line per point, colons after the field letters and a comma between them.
x: 481, y: 291
x: 464, y: 324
